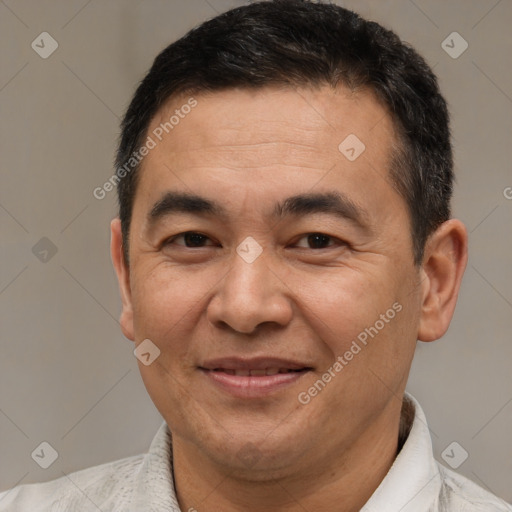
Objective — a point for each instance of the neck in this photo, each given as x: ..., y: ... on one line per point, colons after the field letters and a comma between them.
x: 343, y: 482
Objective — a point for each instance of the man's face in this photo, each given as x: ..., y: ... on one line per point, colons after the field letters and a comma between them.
x: 323, y: 278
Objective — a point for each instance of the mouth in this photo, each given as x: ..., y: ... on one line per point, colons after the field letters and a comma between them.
x: 255, y: 373
x: 253, y: 378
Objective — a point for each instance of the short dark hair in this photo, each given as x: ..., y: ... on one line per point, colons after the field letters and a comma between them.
x: 303, y: 43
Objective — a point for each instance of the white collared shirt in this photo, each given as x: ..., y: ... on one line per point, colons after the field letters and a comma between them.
x: 416, y: 482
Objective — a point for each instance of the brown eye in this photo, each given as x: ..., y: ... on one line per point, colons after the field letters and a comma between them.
x: 191, y: 238
x: 318, y: 241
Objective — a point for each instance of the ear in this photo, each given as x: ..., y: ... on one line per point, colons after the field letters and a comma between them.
x: 123, y: 276
x: 444, y: 262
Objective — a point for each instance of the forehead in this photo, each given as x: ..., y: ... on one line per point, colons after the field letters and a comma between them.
x: 274, y: 139
x: 315, y: 118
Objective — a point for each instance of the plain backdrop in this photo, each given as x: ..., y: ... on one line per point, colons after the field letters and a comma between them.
x: 67, y: 374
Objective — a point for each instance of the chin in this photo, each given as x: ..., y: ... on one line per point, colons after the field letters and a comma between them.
x: 254, y: 454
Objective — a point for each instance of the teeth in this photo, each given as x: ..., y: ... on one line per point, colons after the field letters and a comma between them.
x: 258, y: 373
x: 255, y: 373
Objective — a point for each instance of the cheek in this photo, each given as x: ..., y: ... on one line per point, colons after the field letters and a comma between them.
x: 166, y: 304
x: 341, y: 304
x: 367, y: 319
x: 165, y: 299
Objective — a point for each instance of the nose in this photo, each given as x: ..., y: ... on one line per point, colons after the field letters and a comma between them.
x: 250, y: 295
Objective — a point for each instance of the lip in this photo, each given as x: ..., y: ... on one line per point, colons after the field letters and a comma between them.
x: 252, y: 386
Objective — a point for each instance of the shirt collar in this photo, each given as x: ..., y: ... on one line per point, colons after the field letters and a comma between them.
x: 411, y: 485
x: 413, y: 482
x: 154, y: 485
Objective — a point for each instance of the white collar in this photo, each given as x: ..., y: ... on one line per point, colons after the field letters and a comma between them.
x: 413, y: 482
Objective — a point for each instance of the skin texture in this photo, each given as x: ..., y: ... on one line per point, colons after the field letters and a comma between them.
x: 249, y: 150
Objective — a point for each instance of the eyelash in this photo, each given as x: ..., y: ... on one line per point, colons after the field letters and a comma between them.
x: 337, y: 241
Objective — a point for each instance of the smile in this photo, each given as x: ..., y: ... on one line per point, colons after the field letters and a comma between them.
x: 255, y: 378
x: 255, y: 373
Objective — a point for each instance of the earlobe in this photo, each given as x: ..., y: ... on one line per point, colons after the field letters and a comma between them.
x: 123, y: 277
x: 442, y: 270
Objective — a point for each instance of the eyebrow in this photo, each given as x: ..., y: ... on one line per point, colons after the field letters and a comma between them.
x: 332, y: 203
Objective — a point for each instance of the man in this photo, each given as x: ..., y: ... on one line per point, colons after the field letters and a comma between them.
x: 285, y: 174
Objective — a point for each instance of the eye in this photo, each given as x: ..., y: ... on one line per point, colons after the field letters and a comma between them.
x: 319, y: 241
x: 191, y: 238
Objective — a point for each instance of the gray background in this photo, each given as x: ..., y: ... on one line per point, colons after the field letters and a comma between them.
x: 67, y: 375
